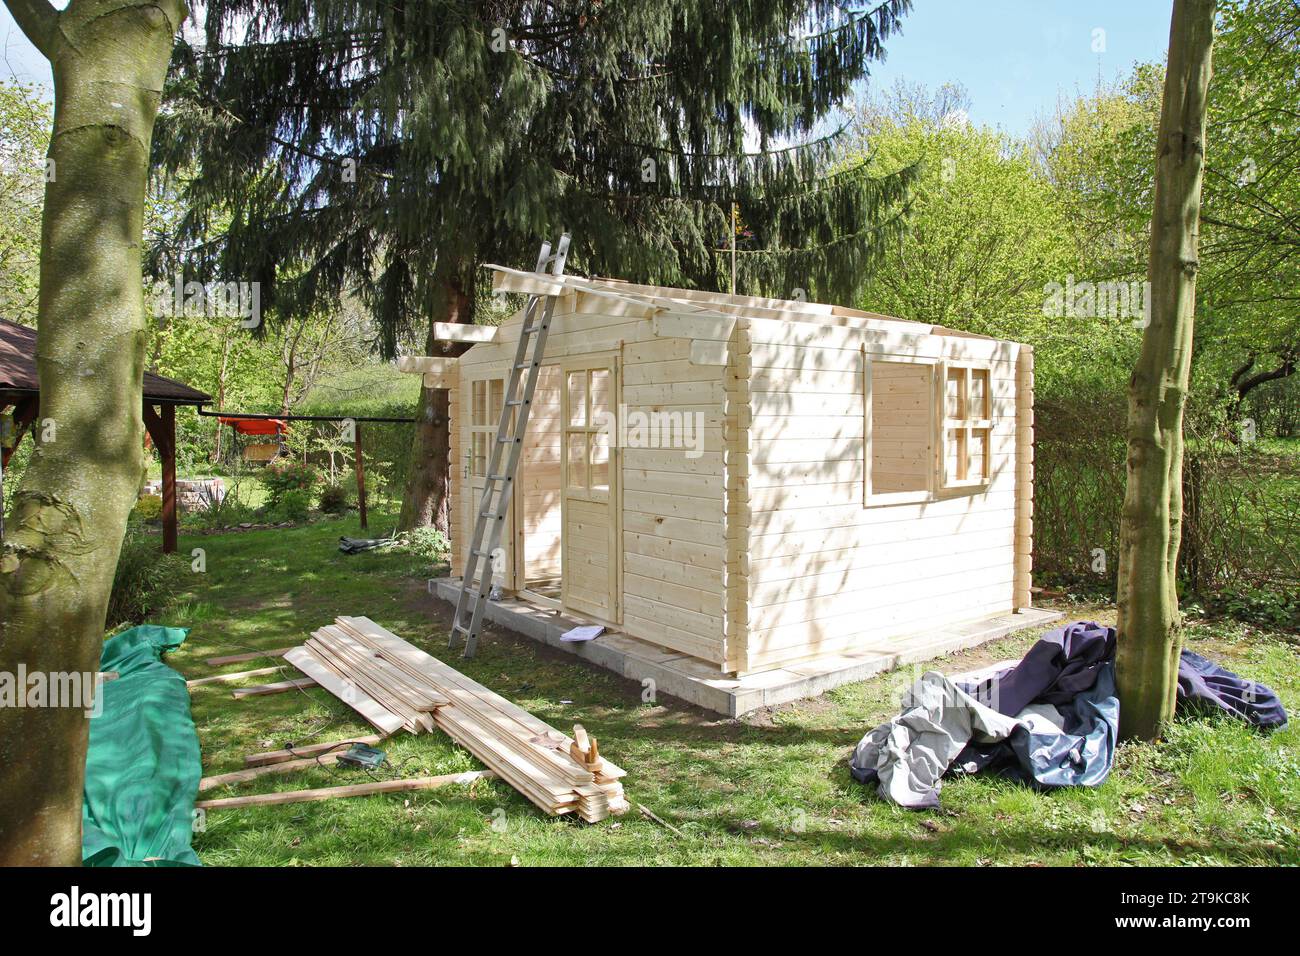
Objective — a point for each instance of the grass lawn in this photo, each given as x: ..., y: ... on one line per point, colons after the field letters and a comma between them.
x: 771, y: 788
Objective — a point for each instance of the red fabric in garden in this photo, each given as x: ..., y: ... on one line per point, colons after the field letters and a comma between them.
x: 256, y: 426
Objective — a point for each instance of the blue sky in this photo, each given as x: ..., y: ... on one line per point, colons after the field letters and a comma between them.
x: 1015, y: 57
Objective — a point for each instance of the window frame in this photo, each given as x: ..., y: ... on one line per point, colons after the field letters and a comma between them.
x: 939, y: 484
x: 967, y: 424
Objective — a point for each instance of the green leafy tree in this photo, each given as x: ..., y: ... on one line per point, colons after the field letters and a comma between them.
x: 24, y: 132
x: 408, y: 143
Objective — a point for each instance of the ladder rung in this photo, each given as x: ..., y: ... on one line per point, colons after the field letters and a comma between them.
x: 506, y: 441
x: 490, y: 514
x: 518, y: 401
x: 526, y: 365
x: 481, y: 554
x: 499, y: 477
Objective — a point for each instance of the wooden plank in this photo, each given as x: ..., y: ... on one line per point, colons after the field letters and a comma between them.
x: 237, y: 675
x: 458, y: 332
x: 306, y: 750
x: 354, y: 790
x: 263, y: 689
x: 378, y: 717
x: 252, y: 773
x: 247, y: 656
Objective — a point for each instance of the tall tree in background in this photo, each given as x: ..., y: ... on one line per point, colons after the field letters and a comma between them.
x: 1150, y: 630
x: 69, y: 515
x: 391, y: 147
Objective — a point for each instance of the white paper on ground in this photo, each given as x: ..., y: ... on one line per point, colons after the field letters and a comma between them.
x: 584, y: 633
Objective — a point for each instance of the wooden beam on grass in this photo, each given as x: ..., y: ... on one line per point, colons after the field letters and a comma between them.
x: 277, y: 688
x: 252, y: 773
x: 307, y: 750
x: 247, y: 656
x: 355, y: 790
x: 237, y: 675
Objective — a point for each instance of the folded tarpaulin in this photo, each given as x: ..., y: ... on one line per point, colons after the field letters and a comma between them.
x: 143, y: 765
x: 1060, y: 665
x: 1049, y: 720
x: 1068, y: 745
x: 906, y: 757
x: 1205, y: 687
x: 354, y: 545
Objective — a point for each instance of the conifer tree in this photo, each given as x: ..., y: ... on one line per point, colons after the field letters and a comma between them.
x: 391, y: 147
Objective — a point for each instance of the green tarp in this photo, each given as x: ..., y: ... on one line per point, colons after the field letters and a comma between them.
x: 143, y: 767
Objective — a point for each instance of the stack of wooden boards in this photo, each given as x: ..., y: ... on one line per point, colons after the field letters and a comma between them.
x: 395, y: 685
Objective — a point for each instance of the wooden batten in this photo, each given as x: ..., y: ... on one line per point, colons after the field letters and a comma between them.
x: 1024, y: 533
x: 438, y: 371
x: 735, y: 431
x: 459, y: 332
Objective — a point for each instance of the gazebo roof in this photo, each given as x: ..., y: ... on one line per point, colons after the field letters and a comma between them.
x: 18, y: 371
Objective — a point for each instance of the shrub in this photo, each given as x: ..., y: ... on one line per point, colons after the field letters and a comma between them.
x: 281, y: 477
x: 146, y: 580
x: 148, y: 509
x: 333, y: 499
x: 294, y: 504
x: 428, y: 543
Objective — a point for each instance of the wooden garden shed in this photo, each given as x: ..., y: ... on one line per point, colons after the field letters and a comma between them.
x: 752, y: 482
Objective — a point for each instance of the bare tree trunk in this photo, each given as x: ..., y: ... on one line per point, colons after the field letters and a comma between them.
x: 429, y: 481
x: 109, y: 58
x: 1150, y: 627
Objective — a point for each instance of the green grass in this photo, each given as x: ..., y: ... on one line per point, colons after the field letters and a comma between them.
x: 772, y: 788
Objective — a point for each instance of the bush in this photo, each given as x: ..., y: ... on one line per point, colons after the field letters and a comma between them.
x: 282, y: 477
x: 148, y: 509
x: 294, y: 505
x: 145, y: 582
x: 428, y: 543
x: 333, y: 500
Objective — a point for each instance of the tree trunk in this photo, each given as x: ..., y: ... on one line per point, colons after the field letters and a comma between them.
x: 109, y: 59
x: 426, y: 500
x: 1150, y: 628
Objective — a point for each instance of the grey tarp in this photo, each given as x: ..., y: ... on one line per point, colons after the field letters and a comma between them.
x: 1047, y: 745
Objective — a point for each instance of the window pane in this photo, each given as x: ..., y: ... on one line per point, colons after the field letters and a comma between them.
x: 979, y: 453
x: 576, y: 445
x: 600, y: 395
x: 478, y: 414
x: 496, y: 398
x: 577, y: 384
x: 478, y: 453
x: 954, y: 449
x: 600, y: 461
x: 979, y: 393
x: 954, y: 404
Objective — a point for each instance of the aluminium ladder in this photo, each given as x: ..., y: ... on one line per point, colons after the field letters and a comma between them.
x: 499, y: 482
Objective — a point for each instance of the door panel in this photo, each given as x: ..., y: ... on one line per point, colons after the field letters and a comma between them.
x: 590, y: 488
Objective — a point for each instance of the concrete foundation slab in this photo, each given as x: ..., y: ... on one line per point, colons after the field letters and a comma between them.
x: 696, y: 682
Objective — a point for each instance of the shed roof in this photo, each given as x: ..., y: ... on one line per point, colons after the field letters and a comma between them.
x: 700, y: 303
x: 18, y: 370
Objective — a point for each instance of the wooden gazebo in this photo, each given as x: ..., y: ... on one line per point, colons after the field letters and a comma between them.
x: 20, y: 391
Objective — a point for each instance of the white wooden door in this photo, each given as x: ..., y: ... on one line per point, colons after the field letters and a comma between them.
x: 589, y: 477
